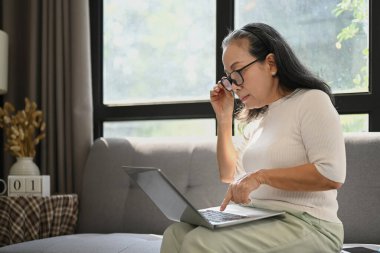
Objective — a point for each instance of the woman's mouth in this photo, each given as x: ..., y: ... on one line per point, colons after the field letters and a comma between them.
x: 243, y: 99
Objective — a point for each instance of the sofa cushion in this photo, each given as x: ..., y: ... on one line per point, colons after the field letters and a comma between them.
x: 90, y: 243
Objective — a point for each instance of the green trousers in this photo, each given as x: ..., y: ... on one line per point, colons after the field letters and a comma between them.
x: 293, y: 233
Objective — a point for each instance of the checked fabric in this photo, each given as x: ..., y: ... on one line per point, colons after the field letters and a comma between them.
x: 26, y: 218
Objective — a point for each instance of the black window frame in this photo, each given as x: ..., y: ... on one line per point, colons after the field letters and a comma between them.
x: 351, y: 103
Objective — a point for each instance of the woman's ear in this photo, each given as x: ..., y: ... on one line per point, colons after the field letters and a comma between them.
x: 271, y: 61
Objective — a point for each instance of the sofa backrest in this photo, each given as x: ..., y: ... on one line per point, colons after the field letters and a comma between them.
x: 110, y: 203
x: 359, y: 197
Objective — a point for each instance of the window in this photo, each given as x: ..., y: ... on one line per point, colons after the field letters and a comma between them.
x: 166, y: 128
x: 331, y: 37
x: 350, y: 123
x: 339, y: 29
x: 155, y: 61
x: 355, y: 122
x: 158, y: 51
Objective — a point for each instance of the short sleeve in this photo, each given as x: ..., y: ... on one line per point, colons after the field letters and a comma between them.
x: 322, y: 135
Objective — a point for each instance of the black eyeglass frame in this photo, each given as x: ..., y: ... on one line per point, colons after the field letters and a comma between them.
x: 229, y: 79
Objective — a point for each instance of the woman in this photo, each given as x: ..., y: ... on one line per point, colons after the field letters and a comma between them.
x: 292, y: 157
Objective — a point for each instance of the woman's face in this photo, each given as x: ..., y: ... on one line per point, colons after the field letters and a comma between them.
x: 260, y: 86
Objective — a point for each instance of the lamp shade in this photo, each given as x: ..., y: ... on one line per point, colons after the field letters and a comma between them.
x: 3, y: 62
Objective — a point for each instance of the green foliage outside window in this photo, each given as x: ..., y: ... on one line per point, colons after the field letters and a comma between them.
x: 359, y: 11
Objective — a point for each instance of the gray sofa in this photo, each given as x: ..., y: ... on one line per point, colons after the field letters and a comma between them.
x: 115, y: 216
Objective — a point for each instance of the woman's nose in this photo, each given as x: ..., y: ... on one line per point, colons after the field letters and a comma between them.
x: 235, y: 87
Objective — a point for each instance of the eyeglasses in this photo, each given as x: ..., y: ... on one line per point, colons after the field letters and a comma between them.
x: 235, y: 77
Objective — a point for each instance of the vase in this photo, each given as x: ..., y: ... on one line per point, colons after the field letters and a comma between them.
x: 24, y: 166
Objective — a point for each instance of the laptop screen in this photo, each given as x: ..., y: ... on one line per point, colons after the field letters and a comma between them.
x: 159, y: 190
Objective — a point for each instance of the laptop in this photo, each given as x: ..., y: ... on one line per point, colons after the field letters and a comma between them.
x: 176, y: 207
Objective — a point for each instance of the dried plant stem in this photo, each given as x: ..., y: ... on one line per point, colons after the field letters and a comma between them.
x: 23, y: 130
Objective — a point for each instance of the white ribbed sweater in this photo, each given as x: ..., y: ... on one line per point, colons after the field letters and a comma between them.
x: 301, y: 128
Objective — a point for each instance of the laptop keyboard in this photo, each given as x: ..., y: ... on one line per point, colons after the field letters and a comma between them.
x: 217, y: 216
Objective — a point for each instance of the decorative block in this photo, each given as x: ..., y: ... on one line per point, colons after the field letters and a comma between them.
x: 33, y: 185
x: 29, y: 186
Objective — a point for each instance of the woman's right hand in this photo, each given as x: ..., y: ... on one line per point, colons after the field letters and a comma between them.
x: 222, y: 102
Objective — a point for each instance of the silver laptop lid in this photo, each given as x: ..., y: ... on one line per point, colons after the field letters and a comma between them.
x: 165, y: 195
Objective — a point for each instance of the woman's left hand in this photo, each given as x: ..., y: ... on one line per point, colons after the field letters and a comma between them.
x: 239, y: 190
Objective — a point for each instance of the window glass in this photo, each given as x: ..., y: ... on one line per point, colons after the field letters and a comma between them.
x: 160, y: 128
x: 158, y: 50
x: 329, y: 36
x: 355, y: 122
x: 350, y: 123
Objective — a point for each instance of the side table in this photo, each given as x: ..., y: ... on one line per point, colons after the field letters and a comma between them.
x: 26, y: 218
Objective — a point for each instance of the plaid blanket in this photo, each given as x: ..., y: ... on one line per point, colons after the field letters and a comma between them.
x: 27, y: 218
